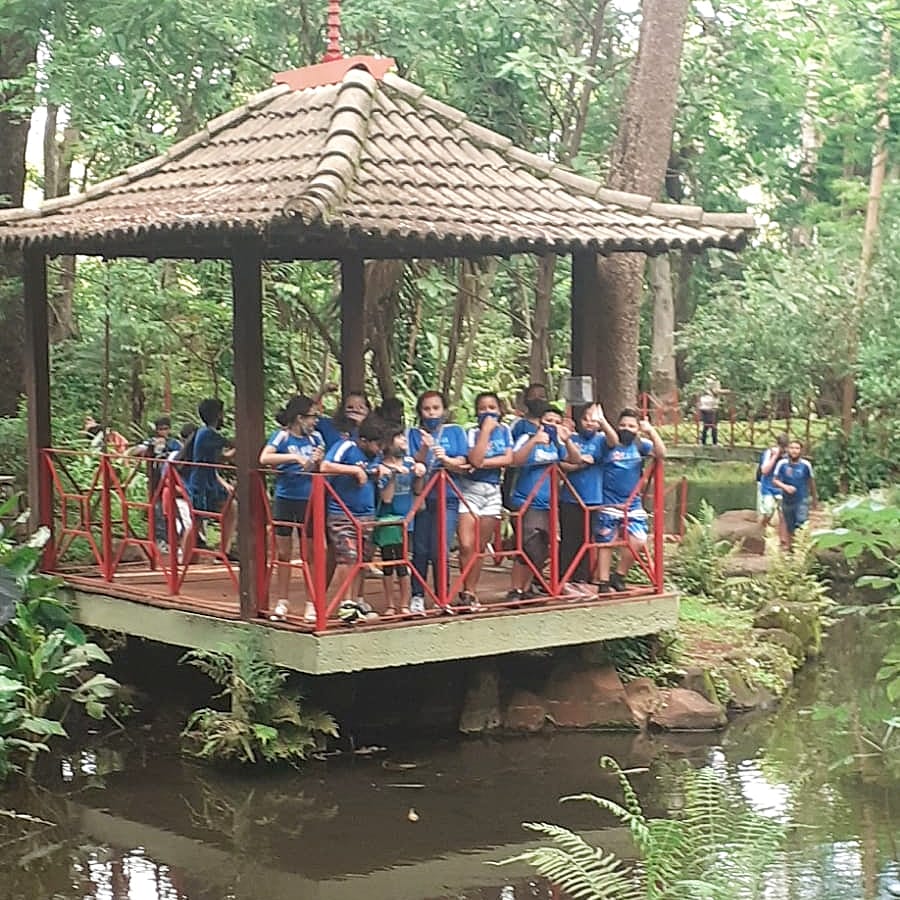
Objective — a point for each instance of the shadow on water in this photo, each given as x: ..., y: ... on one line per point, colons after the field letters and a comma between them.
x: 132, y: 820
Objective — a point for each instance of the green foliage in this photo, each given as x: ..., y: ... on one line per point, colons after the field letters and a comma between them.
x: 700, y: 560
x: 46, y: 661
x: 713, y: 846
x: 265, y: 722
x: 647, y: 656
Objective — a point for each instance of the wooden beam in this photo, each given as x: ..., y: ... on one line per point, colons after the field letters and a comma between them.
x: 353, y: 324
x: 37, y: 386
x: 583, y: 303
x: 249, y: 395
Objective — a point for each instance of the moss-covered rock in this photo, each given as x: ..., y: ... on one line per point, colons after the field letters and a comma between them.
x: 799, y: 619
x: 782, y: 638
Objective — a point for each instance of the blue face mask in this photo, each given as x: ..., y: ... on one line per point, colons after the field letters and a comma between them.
x: 488, y: 415
x: 433, y: 423
x: 550, y: 431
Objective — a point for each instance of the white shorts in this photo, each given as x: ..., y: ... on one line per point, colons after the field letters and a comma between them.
x: 767, y: 504
x: 481, y: 498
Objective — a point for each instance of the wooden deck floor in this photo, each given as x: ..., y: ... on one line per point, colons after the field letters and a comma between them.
x: 206, y: 614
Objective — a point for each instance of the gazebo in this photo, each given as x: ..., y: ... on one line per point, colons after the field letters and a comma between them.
x: 344, y: 161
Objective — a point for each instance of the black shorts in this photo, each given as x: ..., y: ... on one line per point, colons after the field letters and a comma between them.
x: 392, y: 553
x: 289, y: 514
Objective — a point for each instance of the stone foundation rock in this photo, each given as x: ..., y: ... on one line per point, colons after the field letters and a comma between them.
x: 799, y: 619
x: 684, y: 710
x: 525, y: 712
x: 643, y: 697
x: 481, y: 707
x: 587, y: 697
x: 740, y: 527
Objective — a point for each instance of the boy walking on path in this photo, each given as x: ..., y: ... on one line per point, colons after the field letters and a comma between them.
x: 768, y: 496
x: 794, y: 478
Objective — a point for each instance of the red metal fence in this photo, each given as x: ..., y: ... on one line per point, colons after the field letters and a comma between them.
x: 739, y: 423
x: 116, y: 514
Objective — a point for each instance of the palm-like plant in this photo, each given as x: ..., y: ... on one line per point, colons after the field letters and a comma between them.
x: 713, y: 848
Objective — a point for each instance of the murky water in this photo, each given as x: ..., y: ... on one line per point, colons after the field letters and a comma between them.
x: 129, y: 820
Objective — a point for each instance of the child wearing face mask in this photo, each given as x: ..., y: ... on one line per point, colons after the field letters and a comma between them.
x: 583, y: 487
x: 490, y: 451
x: 346, y: 420
x: 296, y: 450
x: 622, y: 469
x: 437, y: 445
x: 354, y: 467
x: 395, y: 498
x: 534, y: 454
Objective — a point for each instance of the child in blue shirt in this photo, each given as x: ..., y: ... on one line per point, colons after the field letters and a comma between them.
x: 622, y: 469
x: 207, y: 488
x: 296, y: 450
x: 794, y: 478
x: 438, y: 445
x: 489, y: 452
x: 583, y: 487
x: 768, y: 497
x: 396, y: 491
x: 346, y: 420
x: 534, y: 454
x: 354, y: 467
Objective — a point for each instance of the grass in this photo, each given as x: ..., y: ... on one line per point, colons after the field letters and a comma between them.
x: 708, y: 629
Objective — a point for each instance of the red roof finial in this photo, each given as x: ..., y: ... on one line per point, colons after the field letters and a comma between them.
x: 333, y: 50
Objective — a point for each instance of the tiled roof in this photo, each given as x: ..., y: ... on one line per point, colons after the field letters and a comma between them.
x: 368, y: 164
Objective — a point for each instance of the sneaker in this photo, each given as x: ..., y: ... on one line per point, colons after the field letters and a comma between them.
x: 417, y: 606
x: 279, y: 614
x: 366, y: 610
x: 375, y: 571
x: 514, y: 595
x: 309, y: 614
x: 465, y: 601
x: 603, y: 587
x: 162, y: 547
x: 572, y: 590
x: 617, y: 582
x: 538, y: 590
x: 231, y: 556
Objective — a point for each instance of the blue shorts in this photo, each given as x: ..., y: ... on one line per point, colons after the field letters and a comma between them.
x: 795, y: 514
x: 209, y: 499
x: 608, y: 528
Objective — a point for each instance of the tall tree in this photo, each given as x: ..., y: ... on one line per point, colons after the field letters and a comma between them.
x: 638, y: 165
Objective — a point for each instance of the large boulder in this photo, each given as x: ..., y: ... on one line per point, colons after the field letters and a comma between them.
x: 525, y: 711
x: 782, y: 638
x: 699, y: 679
x: 741, y: 527
x: 481, y: 707
x: 684, y: 710
x: 799, y: 619
x: 744, y: 694
x: 583, y: 698
x: 643, y: 697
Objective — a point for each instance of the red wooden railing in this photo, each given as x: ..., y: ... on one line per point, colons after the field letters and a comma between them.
x: 99, y: 501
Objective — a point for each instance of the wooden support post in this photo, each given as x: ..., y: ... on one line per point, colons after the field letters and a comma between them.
x: 249, y: 393
x: 583, y: 301
x: 353, y: 324
x: 37, y: 386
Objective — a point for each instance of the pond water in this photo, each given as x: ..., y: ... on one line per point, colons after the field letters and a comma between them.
x: 127, y: 819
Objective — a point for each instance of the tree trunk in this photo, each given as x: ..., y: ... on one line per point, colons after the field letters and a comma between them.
x: 382, y: 281
x: 683, y: 310
x: 638, y: 164
x: 663, y: 381
x: 539, y: 358
x: 870, y: 234
x: 466, y: 285
x: 17, y: 53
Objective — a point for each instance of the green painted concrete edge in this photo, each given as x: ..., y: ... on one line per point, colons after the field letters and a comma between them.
x: 358, y: 649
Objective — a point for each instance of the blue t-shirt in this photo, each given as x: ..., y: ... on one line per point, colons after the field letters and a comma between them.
x: 531, y: 471
x: 453, y: 439
x: 293, y: 483
x: 358, y: 498
x: 587, y: 481
x: 622, y: 468
x: 402, y: 501
x: 522, y: 426
x: 767, y: 482
x: 331, y: 434
x: 797, y: 474
x: 500, y: 442
x: 208, y: 447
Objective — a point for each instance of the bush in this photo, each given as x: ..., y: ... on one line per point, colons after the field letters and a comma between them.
x: 265, y: 723
x: 699, y: 563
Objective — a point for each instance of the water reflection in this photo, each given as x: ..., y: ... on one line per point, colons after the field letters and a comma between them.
x: 118, y: 823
